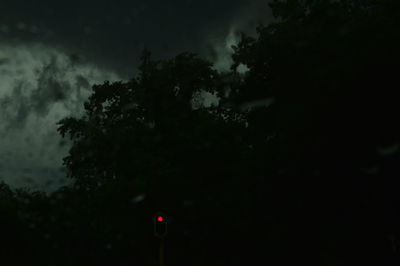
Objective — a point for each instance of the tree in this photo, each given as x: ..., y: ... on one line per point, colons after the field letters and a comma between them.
x: 330, y: 67
x: 144, y: 137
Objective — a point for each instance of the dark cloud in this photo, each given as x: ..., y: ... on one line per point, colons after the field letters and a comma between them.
x: 81, y: 81
x: 4, y: 61
x: 47, y: 90
x: 50, y: 88
x: 113, y: 33
x: 16, y: 106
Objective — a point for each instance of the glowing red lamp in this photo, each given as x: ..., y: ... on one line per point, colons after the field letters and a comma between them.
x: 160, y: 225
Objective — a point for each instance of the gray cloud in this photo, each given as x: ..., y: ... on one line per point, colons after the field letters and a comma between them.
x: 4, y: 61
x: 218, y: 42
x: 113, y: 33
x: 39, y: 87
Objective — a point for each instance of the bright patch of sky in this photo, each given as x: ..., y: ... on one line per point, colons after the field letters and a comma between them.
x: 39, y: 86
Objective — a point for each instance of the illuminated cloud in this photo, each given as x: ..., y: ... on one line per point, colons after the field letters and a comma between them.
x: 223, y: 50
x: 39, y: 85
x: 246, y: 20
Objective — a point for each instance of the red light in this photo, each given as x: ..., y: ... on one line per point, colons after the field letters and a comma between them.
x: 160, y: 219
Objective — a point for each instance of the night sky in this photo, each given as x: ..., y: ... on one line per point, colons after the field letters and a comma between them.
x: 52, y: 52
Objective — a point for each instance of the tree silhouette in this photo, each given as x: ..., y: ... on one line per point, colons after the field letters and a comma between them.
x: 329, y: 66
x: 144, y: 136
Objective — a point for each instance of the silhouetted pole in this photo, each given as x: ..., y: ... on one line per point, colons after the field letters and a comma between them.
x: 162, y: 251
x: 160, y: 230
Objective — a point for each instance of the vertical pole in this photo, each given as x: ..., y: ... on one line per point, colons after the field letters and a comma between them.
x: 162, y: 251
